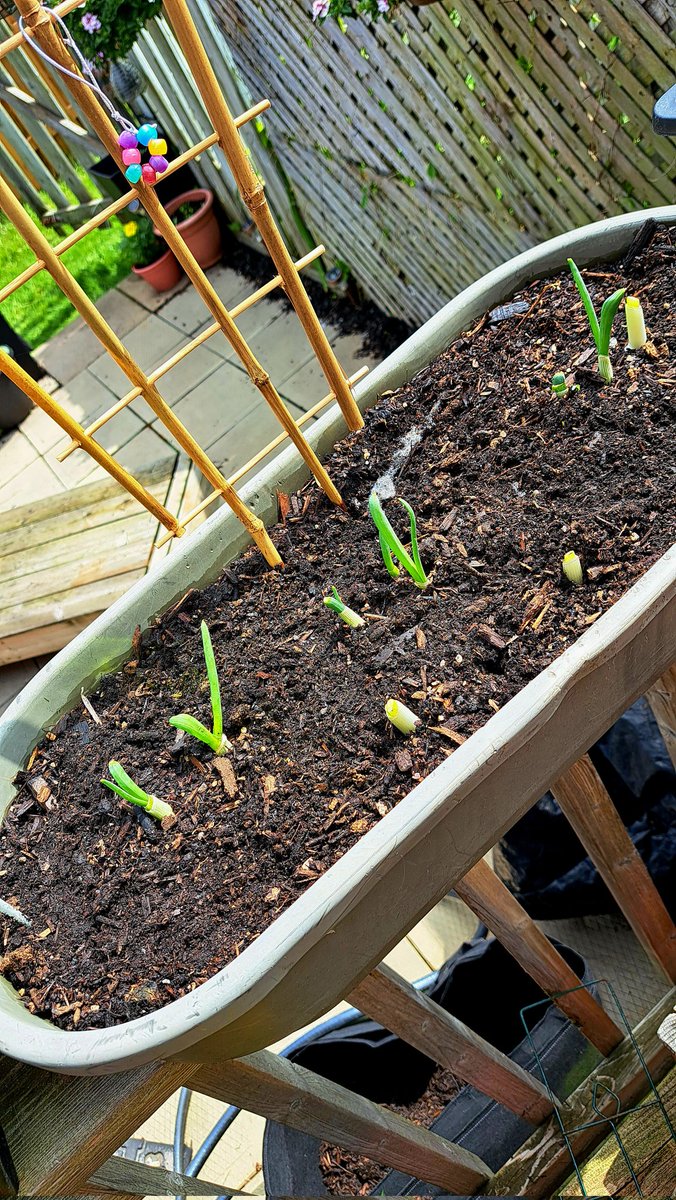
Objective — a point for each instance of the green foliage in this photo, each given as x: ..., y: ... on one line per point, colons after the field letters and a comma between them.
x: 215, y: 737
x: 125, y: 787
x: 107, y: 29
x: 146, y: 247
x: 600, y: 328
x: 39, y: 309
x: 391, y: 546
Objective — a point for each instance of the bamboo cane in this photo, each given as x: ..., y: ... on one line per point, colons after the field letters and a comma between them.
x: 126, y: 198
x: 39, y: 21
x: 17, y: 39
x: 48, y: 404
x: 69, y: 286
x: 253, y: 194
x: 197, y: 341
x: 261, y: 454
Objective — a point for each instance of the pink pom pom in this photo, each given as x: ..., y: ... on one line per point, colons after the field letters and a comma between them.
x: 148, y: 173
x: 158, y: 162
x: 131, y: 156
x: 127, y: 139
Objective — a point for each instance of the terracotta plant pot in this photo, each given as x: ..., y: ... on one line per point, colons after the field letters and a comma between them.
x: 200, y: 232
x: 162, y: 274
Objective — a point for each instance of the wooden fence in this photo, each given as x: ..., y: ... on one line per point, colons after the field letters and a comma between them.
x: 43, y: 140
x: 430, y: 149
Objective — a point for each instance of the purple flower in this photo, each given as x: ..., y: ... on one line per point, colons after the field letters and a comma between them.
x: 383, y: 6
x: 320, y: 9
x: 91, y: 23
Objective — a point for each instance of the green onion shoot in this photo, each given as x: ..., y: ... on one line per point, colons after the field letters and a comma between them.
x: 559, y: 385
x: 215, y: 739
x: 8, y: 910
x: 123, y: 785
x: 572, y: 568
x: 401, y: 717
x: 348, y: 615
x: 391, y: 547
x: 601, y: 327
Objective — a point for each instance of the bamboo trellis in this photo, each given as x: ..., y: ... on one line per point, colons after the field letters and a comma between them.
x: 39, y: 29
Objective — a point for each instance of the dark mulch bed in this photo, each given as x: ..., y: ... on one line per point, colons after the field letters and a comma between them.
x: 347, y: 1174
x: 345, y: 310
x: 505, y: 480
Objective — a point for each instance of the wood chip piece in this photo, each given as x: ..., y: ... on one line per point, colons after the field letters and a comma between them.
x: 40, y: 789
x: 420, y: 639
x: 404, y: 761
x: 227, y: 773
x: 451, y: 734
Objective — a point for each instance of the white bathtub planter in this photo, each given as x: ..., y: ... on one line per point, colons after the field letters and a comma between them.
x: 322, y: 945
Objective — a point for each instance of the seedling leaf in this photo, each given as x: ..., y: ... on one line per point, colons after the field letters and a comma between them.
x: 215, y: 739
x: 608, y: 314
x: 587, y: 301
x: 195, y: 728
x: 390, y: 543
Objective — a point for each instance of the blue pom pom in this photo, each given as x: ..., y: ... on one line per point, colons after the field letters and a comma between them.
x: 133, y: 172
x: 146, y: 134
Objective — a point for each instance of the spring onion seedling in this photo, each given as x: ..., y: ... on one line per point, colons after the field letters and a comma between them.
x: 8, y: 910
x: 559, y: 385
x: 391, y: 545
x: 401, y: 717
x: 348, y: 615
x: 216, y: 739
x: 572, y: 568
x: 633, y: 315
x: 125, y: 787
x: 600, y: 327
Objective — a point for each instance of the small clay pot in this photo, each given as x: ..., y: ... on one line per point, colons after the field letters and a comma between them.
x: 162, y: 274
x: 200, y: 231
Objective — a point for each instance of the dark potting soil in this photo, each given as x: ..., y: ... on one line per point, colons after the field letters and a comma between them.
x: 347, y: 1174
x: 505, y: 479
x: 347, y: 311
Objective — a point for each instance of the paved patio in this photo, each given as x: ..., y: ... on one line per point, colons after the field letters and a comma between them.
x: 209, y: 391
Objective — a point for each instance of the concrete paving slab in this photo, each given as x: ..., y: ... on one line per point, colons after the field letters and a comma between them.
x: 188, y: 312
x: 143, y: 293
x: 113, y: 437
x: 150, y: 343
x: 84, y: 397
x: 38, y: 480
x: 250, y: 323
x: 75, y: 347
x: 216, y: 404
x: 234, y: 448
x: 17, y: 454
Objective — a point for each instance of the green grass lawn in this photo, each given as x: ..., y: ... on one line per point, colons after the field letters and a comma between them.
x: 38, y: 309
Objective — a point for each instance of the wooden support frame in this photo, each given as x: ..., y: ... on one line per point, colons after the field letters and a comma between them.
x: 280, y: 1090
x: 662, y: 699
x: 495, y: 905
x: 586, y: 804
x: 387, y: 998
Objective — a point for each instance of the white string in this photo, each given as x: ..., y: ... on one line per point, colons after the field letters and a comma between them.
x: 87, y: 77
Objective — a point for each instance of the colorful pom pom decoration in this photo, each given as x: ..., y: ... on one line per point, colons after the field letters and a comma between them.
x: 133, y: 173
x: 131, y: 156
x: 149, y: 175
x: 127, y: 140
x: 159, y: 163
x: 157, y: 146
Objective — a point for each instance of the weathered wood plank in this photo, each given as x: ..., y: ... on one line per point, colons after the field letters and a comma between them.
x: 44, y: 640
x: 64, y: 605
x: 662, y: 699
x: 282, y: 1091
x: 61, y: 1128
x: 494, y: 904
x: 586, y: 804
x: 386, y: 997
x: 135, y: 1178
x: 543, y: 1162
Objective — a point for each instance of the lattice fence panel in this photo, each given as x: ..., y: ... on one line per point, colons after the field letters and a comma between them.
x: 433, y: 148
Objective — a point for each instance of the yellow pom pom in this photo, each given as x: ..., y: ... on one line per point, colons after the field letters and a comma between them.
x: 157, y: 146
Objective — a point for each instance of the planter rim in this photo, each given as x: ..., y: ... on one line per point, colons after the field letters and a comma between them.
x: 235, y: 990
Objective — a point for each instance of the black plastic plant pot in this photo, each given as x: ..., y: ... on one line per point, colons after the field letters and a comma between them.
x: 483, y: 986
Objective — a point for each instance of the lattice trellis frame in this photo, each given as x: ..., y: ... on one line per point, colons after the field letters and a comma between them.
x: 40, y: 28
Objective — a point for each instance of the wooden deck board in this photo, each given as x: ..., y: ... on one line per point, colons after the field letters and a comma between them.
x: 65, y: 558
